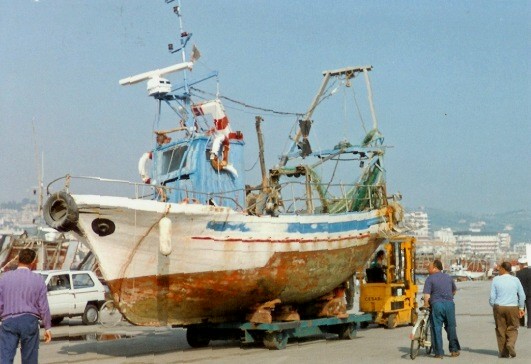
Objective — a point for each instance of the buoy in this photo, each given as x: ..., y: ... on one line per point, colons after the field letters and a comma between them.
x: 165, y: 246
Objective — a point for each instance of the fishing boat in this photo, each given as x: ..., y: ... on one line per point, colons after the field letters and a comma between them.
x: 469, y: 269
x: 196, y: 243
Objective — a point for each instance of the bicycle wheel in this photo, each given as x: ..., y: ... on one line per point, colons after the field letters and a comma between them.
x: 427, y: 339
x: 416, y: 337
x: 109, y: 314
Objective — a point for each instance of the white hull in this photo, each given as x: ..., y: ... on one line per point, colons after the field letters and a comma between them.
x: 217, y: 246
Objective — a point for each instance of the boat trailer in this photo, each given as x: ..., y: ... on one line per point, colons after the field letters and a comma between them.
x: 275, y: 335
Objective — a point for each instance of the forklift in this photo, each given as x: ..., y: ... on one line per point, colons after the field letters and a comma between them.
x: 389, y: 293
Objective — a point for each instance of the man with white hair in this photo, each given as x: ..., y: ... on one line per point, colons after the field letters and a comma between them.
x: 524, y: 275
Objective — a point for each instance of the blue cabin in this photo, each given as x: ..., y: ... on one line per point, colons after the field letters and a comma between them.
x: 185, y: 168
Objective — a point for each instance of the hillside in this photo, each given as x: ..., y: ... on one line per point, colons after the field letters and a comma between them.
x: 516, y: 223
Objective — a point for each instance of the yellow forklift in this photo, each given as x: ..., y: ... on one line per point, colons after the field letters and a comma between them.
x: 389, y: 292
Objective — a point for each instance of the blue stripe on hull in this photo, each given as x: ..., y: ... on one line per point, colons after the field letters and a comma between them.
x: 303, y: 228
x: 334, y: 227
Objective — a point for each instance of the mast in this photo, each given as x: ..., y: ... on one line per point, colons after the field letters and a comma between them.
x: 369, y: 95
x: 184, y: 38
x: 265, y: 184
x: 40, y: 170
x: 348, y: 72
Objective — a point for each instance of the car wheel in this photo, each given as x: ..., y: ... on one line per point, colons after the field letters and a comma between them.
x: 90, y: 316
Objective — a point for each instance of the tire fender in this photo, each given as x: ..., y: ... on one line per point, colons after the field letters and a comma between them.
x: 60, y: 212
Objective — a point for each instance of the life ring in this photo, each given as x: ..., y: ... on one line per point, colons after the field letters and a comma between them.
x: 142, y: 167
x: 218, y: 164
x: 60, y: 212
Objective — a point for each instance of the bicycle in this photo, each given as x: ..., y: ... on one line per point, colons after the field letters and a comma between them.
x: 109, y: 315
x: 421, y: 333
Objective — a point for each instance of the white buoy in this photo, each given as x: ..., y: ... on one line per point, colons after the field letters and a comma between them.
x: 165, y: 246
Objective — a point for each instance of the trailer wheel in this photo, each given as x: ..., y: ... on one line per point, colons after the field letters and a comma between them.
x: 57, y: 320
x: 347, y: 331
x: 391, y: 321
x: 275, y: 340
x: 197, y: 337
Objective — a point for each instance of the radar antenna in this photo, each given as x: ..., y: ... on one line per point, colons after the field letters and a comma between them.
x: 157, y: 86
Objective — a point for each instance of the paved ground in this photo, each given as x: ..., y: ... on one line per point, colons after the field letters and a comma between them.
x: 75, y: 343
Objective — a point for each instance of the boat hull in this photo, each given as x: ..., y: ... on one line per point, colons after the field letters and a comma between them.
x: 221, y: 263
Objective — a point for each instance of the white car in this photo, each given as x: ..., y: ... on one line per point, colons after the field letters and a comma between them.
x: 74, y: 293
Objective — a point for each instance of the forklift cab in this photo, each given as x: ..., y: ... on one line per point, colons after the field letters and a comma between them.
x: 389, y: 293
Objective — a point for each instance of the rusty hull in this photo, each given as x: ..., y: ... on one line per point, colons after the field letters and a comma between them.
x: 184, y: 299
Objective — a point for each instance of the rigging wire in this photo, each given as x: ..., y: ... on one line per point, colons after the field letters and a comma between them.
x: 359, y: 111
x: 345, y: 117
x: 254, y: 165
x: 247, y: 105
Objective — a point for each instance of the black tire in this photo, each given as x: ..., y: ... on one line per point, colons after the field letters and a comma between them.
x: 347, y: 331
x: 414, y: 317
x: 415, y: 341
x: 60, y: 212
x: 57, y: 320
x: 415, y: 347
x: 197, y: 337
x: 91, y: 315
x: 364, y: 324
x: 391, y: 321
x: 109, y: 314
x: 276, y: 340
x: 427, y: 337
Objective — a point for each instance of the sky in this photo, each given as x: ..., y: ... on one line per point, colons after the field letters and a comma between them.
x: 451, y: 85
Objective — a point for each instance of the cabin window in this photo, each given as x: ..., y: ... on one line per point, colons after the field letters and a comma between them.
x: 171, y: 159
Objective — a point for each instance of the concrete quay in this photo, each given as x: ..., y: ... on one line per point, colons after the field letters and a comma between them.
x: 76, y: 343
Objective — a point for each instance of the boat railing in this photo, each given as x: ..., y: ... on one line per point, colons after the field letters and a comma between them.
x: 137, y: 190
x: 293, y: 197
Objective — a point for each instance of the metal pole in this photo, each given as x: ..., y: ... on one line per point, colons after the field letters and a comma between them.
x: 307, y: 116
x: 369, y: 95
x: 258, y: 120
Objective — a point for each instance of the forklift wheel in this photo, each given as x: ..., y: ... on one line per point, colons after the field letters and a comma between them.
x: 391, y: 321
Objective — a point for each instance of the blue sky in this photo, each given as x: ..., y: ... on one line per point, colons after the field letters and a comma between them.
x: 451, y: 85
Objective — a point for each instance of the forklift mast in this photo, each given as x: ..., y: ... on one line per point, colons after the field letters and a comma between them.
x: 392, y: 299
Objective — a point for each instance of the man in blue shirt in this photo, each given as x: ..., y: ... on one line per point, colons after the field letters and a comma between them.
x: 439, y: 291
x: 23, y: 301
x: 507, y: 298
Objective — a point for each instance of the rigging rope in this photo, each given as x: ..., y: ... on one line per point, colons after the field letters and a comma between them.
x: 247, y: 105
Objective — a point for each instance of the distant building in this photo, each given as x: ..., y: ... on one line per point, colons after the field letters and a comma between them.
x: 447, y: 237
x: 419, y: 222
x: 481, y: 243
x: 520, y: 249
x: 505, y: 241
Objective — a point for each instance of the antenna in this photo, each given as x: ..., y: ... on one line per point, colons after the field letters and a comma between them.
x: 40, y: 171
x: 156, y: 84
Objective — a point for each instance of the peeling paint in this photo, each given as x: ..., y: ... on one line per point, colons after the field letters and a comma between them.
x: 293, y: 277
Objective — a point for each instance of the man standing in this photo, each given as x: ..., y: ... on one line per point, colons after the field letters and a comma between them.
x: 524, y: 275
x: 439, y: 291
x: 507, y: 299
x: 23, y: 302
